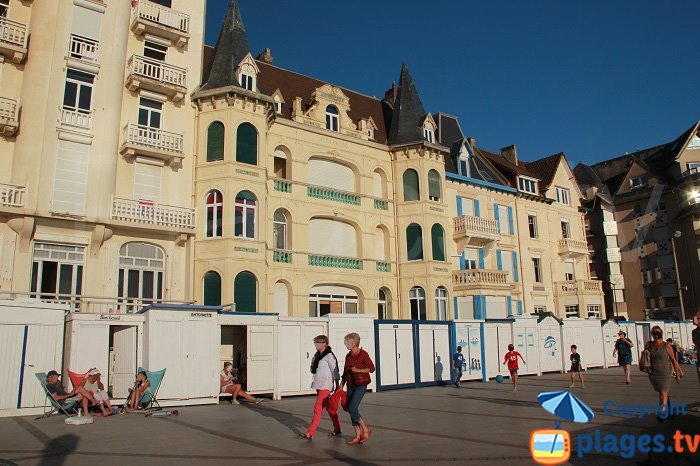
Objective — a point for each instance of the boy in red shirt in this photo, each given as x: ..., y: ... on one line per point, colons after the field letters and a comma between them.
x: 511, y: 358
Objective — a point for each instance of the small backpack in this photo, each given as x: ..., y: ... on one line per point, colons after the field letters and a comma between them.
x: 645, y: 360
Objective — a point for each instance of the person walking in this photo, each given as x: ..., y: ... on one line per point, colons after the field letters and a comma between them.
x: 664, y: 367
x: 358, y: 367
x: 623, y: 351
x: 457, y: 364
x: 576, y: 367
x: 324, y: 367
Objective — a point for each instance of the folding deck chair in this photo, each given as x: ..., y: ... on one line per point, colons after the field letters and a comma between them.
x: 66, y: 408
x: 149, y: 400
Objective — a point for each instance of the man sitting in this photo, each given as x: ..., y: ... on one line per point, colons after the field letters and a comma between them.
x: 59, y: 393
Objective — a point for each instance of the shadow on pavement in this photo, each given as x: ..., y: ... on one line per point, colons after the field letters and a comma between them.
x: 56, y: 451
x: 342, y: 458
x: 294, y: 423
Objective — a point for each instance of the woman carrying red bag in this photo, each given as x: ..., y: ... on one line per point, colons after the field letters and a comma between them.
x: 358, y: 367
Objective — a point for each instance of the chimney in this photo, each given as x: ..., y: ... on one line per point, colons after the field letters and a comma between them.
x: 510, y: 153
x: 390, y: 94
x: 265, y: 56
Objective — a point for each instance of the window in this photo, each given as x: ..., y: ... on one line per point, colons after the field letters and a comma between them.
x: 247, y: 144
x: 4, y: 6
x: 327, y: 299
x: 537, y: 267
x: 429, y: 134
x: 215, y: 214
x: 382, y: 305
x: 215, y: 142
x: 471, y: 257
x: 154, y: 51
x: 639, y: 182
x: 57, y: 269
x: 245, y: 292
x: 77, y: 95
x: 332, y: 118
x: 565, y: 229
x: 437, y: 234
x: 416, y: 297
x: 247, y: 82
x: 280, y: 164
x: 246, y: 215
x: 569, y: 271
x: 370, y: 133
x: 571, y: 311
x: 527, y: 185
x: 147, y: 182
x: 463, y: 166
x: 411, y: 186
x: 594, y: 311
x: 279, y: 230
x: 278, y: 105
x: 71, y: 177
x: 441, y: 303
x: 539, y: 309
x: 141, y: 272
x: 693, y: 167
x: 150, y: 113
x: 532, y: 225
x: 434, y: 186
x: 563, y: 196
x: 165, y: 3
x: 212, y: 289
x: 414, y: 242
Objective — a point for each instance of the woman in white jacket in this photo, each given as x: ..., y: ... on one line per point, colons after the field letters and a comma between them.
x: 324, y: 367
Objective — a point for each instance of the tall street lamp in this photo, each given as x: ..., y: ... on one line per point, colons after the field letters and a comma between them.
x: 677, y: 235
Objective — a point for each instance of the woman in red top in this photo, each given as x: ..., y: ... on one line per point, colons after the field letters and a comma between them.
x: 358, y: 367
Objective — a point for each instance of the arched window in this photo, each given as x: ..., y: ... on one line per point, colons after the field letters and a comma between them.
x: 245, y: 215
x: 245, y: 292
x: 437, y: 234
x: 215, y: 214
x: 332, y: 118
x: 434, y: 190
x: 379, y: 183
x: 280, y: 163
x: 215, y: 142
x: 411, y: 186
x: 212, y: 289
x: 441, y: 303
x: 279, y: 230
x: 416, y: 298
x: 281, y: 302
x: 381, y: 244
x: 333, y: 299
x: 383, y: 304
x: 247, y: 144
x: 141, y: 272
x: 414, y: 242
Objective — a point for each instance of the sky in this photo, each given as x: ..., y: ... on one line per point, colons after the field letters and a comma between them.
x: 593, y: 79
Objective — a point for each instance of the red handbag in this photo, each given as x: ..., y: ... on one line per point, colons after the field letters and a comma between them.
x: 338, y: 398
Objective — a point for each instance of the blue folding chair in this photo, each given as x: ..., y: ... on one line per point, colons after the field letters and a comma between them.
x: 149, y: 400
x: 67, y: 407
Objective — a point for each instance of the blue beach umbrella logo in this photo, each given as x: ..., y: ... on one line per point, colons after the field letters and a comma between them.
x: 550, y: 343
x: 566, y: 406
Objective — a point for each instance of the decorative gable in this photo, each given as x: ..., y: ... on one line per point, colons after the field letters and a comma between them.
x: 429, y: 128
x: 329, y: 109
x: 368, y: 127
x: 279, y: 100
x: 247, y: 73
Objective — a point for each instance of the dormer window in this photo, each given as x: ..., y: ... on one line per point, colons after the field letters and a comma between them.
x: 247, y: 82
x: 463, y: 162
x: 693, y: 168
x: 639, y: 182
x: 527, y: 185
x: 332, y: 118
x: 370, y: 133
x: 247, y: 73
x: 429, y: 134
x: 278, y: 107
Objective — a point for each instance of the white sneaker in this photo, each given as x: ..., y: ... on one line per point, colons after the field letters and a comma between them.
x: 235, y: 402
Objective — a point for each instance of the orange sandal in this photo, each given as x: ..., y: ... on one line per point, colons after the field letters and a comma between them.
x: 365, y: 436
x: 354, y: 441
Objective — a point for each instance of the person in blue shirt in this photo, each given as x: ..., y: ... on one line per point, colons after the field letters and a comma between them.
x: 457, y: 364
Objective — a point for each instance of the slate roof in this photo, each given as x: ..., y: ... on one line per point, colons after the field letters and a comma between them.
x: 231, y: 48
x: 409, y: 114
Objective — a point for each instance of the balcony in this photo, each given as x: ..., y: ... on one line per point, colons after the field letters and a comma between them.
x: 335, y: 195
x: 83, y: 49
x: 12, y: 196
x: 380, y: 204
x: 156, y: 76
x: 9, y: 116
x: 335, y: 262
x: 151, y: 18
x: 13, y: 39
x: 469, y: 229
x: 152, y: 213
x: 281, y: 256
x: 152, y: 142
x: 578, y: 287
x: 75, y: 119
x: 479, y: 279
x: 283, y: 186
x: 572, y: 247
x: 383, y: 267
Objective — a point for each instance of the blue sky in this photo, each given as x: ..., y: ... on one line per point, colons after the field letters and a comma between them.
x: 593, y: 79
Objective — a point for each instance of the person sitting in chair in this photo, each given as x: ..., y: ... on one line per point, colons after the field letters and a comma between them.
x: 96, y: 388
x: 58, y: 392
x: 140, y: 386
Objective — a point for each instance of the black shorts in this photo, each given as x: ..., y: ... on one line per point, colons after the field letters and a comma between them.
x: 575, y: 368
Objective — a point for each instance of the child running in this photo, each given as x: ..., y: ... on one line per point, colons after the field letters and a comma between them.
x: 575, y: 367
x: 511, y: 358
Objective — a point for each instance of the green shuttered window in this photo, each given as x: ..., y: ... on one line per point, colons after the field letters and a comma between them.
x: 215, y: 142
x: 411, y: 187
x: 245, y: 288
x: 247, y: 144
x: 414, y: 242
x: 438, y: 237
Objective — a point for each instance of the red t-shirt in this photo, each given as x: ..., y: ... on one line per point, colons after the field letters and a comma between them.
x: 512, y: 358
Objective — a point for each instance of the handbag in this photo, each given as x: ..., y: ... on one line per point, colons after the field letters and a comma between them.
x: 337, y: 399
x: 645, y: 360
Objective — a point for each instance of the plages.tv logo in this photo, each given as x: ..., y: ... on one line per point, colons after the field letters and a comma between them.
x: 553, y: 446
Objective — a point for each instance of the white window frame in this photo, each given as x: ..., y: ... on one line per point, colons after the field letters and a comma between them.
x: 565, y: 228
x: 563, y: 195
x: 244, y: 217
x: 6, y: 4
x: 217, y: 219
x: 532, y: 225
x: 278, y: 106
x: 429, y: 134
x: 150, y: 111
x: 639, y: 181
x: 527, y: 185
x: 414, y: 295
x: 333, y: 119
x: 158, y: 274
x: 280, y: 227
x: 538, y: 309
x: 151, y: 45
x: 79, y: 84
x: 571, y: 310
x: 68, y: 255
x: 537, y: 269
x: 248, y: 81
x: 370, y: 133
x: 593, y: 310
x: 382, y: 307
x: 693, y: 167
x: 569, y: 277
x: 316, y: 299
x: 441, y: 303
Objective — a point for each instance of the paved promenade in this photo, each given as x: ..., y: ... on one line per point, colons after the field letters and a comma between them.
x: 476, y: 424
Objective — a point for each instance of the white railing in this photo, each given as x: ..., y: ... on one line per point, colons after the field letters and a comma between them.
x: 573, y: 245
x: 469, y: 224
x: 8, y: 109
x: 91, y: 304
x: 12, y: 32
x: 77, y: 119
x: 157, y: 70
x: 162, y: 15
x: 153, y: 213
x: 83, y: 48
x: 12, y: 196
x: 155, y: 138
x: 578, y: 286
x: 480, y: 276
